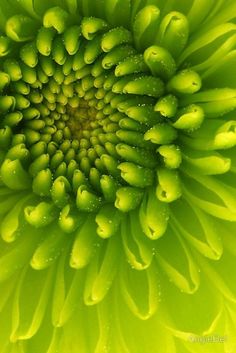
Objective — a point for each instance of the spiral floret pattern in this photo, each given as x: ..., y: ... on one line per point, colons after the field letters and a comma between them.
x: 117, y: 175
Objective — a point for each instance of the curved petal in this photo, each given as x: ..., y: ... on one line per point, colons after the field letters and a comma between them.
x: 210, y: 195
x: 101, y: 271
x: 177, y: 262
x: 137, y: 248
x: 11, y: 225
x: 206, y: 42
x: 221, y: 73
x: 28, y: 316
x: 141, y: 300
x: 206, y: 313
x: 220, y: 276
x: 77, y: 335
x: 118, y: 12
x: 198, y: 229
x: 16, y: 255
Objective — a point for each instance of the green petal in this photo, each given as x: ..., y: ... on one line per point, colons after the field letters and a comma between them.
x: 145, y: 26
x: 17, y: 255
x: 200, y: 232
x: 11, y: 223
x: 212, y: 196
x: 49, y: 250
x: 137, y: 249
x: 56, y: 18
x: 14, y: 175
x: 153, y: 216
x: 117, y: 12
x: 21, y: 28
x: 101, y: 273
x: 177, y: 262
x: 145, y: 303
x: 27, y: 319
x: 83, y: 248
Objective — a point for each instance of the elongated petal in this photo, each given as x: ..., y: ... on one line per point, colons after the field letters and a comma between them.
x: 145, y: 303
x: 100, y: 274
x: 27, y: 320
x: 137, y: 249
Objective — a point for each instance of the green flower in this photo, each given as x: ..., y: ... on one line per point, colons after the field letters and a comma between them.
x: 117, y: 176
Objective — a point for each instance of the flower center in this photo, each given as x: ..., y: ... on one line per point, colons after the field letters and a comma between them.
x: 101, y: 122
x: 81, y: 119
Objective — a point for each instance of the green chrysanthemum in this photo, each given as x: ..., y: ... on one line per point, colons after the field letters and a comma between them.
x: 117, y: 176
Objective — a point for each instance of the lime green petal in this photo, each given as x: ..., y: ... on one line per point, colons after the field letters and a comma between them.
x: 175, y: 259
x: 171, y: 155
x: 207, y: 162
x: 173, y: 33
x: 142, y: 301
x: 145, y: 27
x: 20, y: 180
x: 230, y: 154
x: 206, y: 39
x: 117, y: 12
x: 189, y: 118
x: 200, y: 231
x: 153, y: 216
x: 207, y: 312
x: 21, y: 28
x: 62, y: 277
x: 101, y: 273
x: 212, y: 196
x: 72, y: 6
x: 90, y: 8
x: 56, y: 18
x: 49, y: 249
x: 111, y: 335
x: 199, y: 12
x: 17, y: 255
x: 200, y: 343
x: 41, y: 340
x: 8, y: 9
x: 6, y: 46
x: 108, y: 220
x: 5, y: 322
x: 69, y: 220
x: 41, y: 214
x: 139, y: 5
x: 7, y: 289
x: 217, y: 57
x: 69, y: 303
x: 219, y: 135
x: 54, y: 341
x: 30, y: 7
x: 221, y: 73
x: 9, y: 199
x: 137, y: 249
x: 28, y: 318
x: 219, y: 275
x: 226, y: 14
x: 74, y: 336
x: 169, y: 185
x: 230, y: 327
x: 84, y: 248
x: 147, y: 339
x: 12, y: 222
